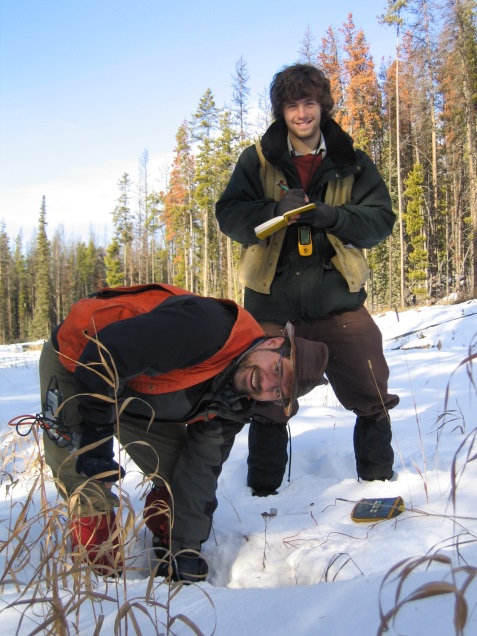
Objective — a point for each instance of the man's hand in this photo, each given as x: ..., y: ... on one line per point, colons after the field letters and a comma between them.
x: 292, y: 200
x: 324, y: 216
x: 99, y: 458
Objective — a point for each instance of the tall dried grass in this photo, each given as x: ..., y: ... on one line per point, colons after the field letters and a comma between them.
x: 57, y: 590
x: 454, y: 576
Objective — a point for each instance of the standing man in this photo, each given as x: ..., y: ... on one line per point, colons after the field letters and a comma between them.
x: 313, y: 271
x: 175, y: 377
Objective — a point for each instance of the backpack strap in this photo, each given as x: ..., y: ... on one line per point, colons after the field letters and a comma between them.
x: 350, y: 261
x: 269, y: 176
x: 258, y: 262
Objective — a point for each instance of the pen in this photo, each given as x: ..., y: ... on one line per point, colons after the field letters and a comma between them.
x: 282, y: 186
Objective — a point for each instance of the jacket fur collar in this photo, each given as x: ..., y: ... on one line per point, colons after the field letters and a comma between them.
x: 339, y: 145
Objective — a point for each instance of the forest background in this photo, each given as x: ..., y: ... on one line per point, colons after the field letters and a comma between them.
x: 415, y: 115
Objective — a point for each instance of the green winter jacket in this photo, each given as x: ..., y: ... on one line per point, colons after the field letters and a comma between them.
x: 306, y: 287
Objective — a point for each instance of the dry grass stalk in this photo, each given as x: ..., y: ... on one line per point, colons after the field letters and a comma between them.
x: 267, y: 517
x: 405, y: 569
x: 56, y: 587
x: 341, y: 560
x: 453, y: 580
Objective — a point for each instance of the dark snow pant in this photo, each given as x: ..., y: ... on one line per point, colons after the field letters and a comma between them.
x: 268, y: 457
x: 358, y: 374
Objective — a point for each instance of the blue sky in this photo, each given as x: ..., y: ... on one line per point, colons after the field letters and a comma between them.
x: 87, y: 85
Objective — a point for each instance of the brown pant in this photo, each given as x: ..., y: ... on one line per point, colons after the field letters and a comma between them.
x: 358, y: 373
x: 155, y: 455
x: 357, y: 369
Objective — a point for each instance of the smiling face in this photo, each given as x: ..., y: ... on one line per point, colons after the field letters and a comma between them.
x: 303, y: 119
x: 257, y: 375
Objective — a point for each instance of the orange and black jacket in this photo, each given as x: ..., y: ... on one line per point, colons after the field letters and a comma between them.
x: 184, y: 351
x: 173, y: 349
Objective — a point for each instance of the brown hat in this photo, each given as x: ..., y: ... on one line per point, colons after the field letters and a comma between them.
x: 308, y: 361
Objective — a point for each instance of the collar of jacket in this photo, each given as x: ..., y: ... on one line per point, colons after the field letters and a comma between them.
x: 339, y: 145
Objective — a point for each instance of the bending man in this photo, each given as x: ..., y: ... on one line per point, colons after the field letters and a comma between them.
x: 180, y: 372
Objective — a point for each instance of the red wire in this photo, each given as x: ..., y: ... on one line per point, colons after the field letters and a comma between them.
x: 22, y: 419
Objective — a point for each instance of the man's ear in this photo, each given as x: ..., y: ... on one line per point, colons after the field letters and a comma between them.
x: 272, y: 343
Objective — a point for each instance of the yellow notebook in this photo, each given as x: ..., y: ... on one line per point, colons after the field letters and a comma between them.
x: 273, y: 225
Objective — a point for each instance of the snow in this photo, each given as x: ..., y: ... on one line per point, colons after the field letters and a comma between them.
x: 308, y: 569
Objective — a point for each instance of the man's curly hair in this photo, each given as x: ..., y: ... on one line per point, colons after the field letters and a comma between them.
x: 300, y: 81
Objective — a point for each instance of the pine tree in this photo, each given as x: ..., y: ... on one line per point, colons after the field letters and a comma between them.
x: 240, y: 95
x: 419, y: 65
x: 86, y: 259
x: 20, y: 300
x: 61, y: 274
x: 307, y: 51
x: 329, y: 61
x: 143, y: 222
x: 204, y: 123
x: 362, y: 104
x: 179, y: 214
x: 123, y: 220
x: 393, y: 17
x: 227, y: 150
x: 43, y: 315
x: 5, y: 282
x: 112, y: 260
x: 459, y: 79
x: 153, y: 225
x: 418, y: 262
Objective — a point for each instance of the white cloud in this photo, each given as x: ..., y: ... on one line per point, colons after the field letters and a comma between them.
x: 84, y: 199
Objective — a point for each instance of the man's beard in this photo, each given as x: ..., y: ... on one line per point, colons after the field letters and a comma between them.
x: 240, y: 380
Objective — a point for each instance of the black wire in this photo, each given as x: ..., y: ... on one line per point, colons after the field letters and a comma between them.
x: 20, y: 423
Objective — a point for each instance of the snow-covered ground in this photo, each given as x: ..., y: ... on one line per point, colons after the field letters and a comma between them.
x: 308, y: 569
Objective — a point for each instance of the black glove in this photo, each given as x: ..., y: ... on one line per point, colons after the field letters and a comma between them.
x: 323, y: 217
x: 191, y: 567
x: 187, y: 566
x: 99, y: 459
x: 292, y: 200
